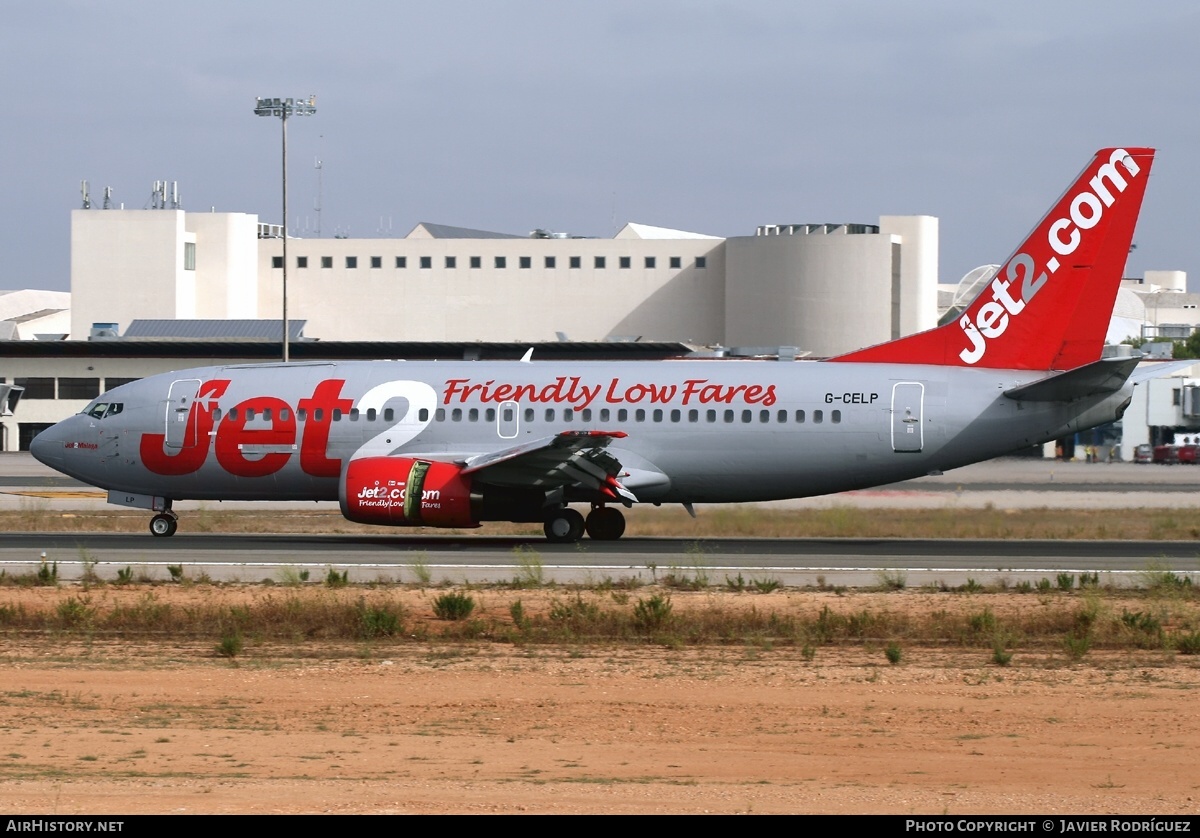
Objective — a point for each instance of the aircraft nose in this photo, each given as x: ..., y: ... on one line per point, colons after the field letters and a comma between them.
x: 47, y: 447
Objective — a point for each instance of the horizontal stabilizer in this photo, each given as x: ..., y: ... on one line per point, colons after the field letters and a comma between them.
x: 1098, y: 378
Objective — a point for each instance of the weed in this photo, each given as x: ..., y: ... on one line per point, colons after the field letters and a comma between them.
x: 124, y: 575
x: 1188, y: 644
x: 453, y: 606
x: 519, y: 617
x: 891, y: 580
x: 1000, y: 655
x: 808, y: 652
x: 420, y: 569
x: 333, y: 579
x: 292, y: 577
x: 529, y: 568
x: 983, y: 622
x: 176, y: 571
x: 379, y: 620
x: 75, y: 613
x: 766, y: 586
x: 1160, y: 580
x: 972, y: 587
x: 231, y: 644
x: 88, y: 576
x: 653, y: 613
x: 1077, y: 644
x: 47, y: 574
x: 1024, y: 586
x: 1044, y: 585
x: 738, y: 585
x: 893, y: 653
x: 1089, y: 580
x: 1066, y: 581
x: 1141, y: 621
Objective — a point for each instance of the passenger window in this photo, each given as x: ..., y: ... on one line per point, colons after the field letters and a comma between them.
x: 266, y: 414
x: 249, y: 414
x: 781, y: 416
x: 439, y: 416
x: 764, y: 416
x: 529, y: 414
x: 800, y: 417
x: 604, y: 414
x: 506, y: 415
x: 473, y: 414
x: 490, y: 414
x: 729, y: 416
x: 354, y: 414
x: 693, y: 416
x: 456, y: 415
x: 710, y: 415
x: 549, y: 414
x: 622, y: 415
x: 818, y: 417
x: 747, y: 416
x: 318, y: 414
x: 568, y: 415
x: 675, y: 415
x: 373, y: 414
x: 639, y: 415
x: 835, y: 417
x: 657, y: 415
x: 232, y: 417
x: 284, y: 413
x: 337, y: 414
x: 301, y: 415
x: 586, y: 414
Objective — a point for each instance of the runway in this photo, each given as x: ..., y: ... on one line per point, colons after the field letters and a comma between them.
x: 490, y: 559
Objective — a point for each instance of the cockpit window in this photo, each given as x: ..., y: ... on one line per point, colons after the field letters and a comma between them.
x: 102, y: 409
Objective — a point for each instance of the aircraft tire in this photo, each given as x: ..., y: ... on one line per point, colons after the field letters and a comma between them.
x: 605, y: 523
x: 564, y: 526
x: 163, y: 526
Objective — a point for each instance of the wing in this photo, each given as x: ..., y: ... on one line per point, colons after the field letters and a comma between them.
x: 571, y: 459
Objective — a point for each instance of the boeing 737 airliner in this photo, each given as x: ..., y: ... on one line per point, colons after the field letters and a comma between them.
x: 454, y: 444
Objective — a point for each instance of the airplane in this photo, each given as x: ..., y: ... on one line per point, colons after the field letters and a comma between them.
x: 457, y: 444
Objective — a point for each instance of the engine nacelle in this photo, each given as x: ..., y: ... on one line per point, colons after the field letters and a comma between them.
x: 402, y: 492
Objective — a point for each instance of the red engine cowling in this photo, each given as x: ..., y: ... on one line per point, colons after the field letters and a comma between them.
x: 402, y: 492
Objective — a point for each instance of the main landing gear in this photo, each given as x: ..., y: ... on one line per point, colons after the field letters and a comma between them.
x: 164, y: 523
x: 565, y: 526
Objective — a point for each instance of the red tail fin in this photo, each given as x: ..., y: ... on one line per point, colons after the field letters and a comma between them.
x: 1049, y: 305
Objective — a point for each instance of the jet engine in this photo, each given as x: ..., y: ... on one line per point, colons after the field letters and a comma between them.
x: 403, y: 492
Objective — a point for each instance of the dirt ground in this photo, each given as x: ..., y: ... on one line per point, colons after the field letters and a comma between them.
x: 92, y: 724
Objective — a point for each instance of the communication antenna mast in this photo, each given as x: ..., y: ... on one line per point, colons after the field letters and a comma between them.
x: 83, y: 190
x: 108, y: 197
x: 174, y: 194
x: 320, y: 183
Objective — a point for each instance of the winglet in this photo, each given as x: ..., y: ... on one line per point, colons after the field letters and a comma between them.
x: 1049, y: 306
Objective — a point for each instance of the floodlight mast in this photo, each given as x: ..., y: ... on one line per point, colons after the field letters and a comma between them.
x: 283, y: 108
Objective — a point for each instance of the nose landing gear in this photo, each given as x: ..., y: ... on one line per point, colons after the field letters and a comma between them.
x: 164, y: 524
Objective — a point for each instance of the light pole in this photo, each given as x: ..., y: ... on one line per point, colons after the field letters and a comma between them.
x: 283, y: 108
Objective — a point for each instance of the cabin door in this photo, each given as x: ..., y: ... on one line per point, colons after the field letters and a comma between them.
x: 180, y: 432
x: 908, y: 404
x: 508, y: 420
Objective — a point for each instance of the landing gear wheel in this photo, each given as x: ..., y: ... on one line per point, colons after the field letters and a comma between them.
x: 564, y: 526
x: 163, y: 525
x: 605, y: 523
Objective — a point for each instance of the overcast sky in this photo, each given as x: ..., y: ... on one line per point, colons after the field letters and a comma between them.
x: 580, y: 116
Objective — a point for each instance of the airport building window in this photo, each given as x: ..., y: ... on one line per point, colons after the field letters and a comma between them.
x: 676, y: 262
x: 189, y: 256
x: 551, y: 262
x: 112, y: 381
x: 576, y: 262
x: 701, y: 261
x: 600, y: 262
x: 625, y: 261
x: 501, y: 262
x: 376, y: 262
x: 426, y: 262
x: 351, y: 262
x: 78, y: 388
x: 476, y: 261
x: 401, y: 261
x: 650, y: 261
x: 36, y: 388
x: 326, y: 261
x: 525, y: 262
x: 451, y: 261
x: 301, y: 261
x: 276, y: 261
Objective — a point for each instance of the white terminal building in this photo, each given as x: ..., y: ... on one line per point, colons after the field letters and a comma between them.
x: 791, y: 290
